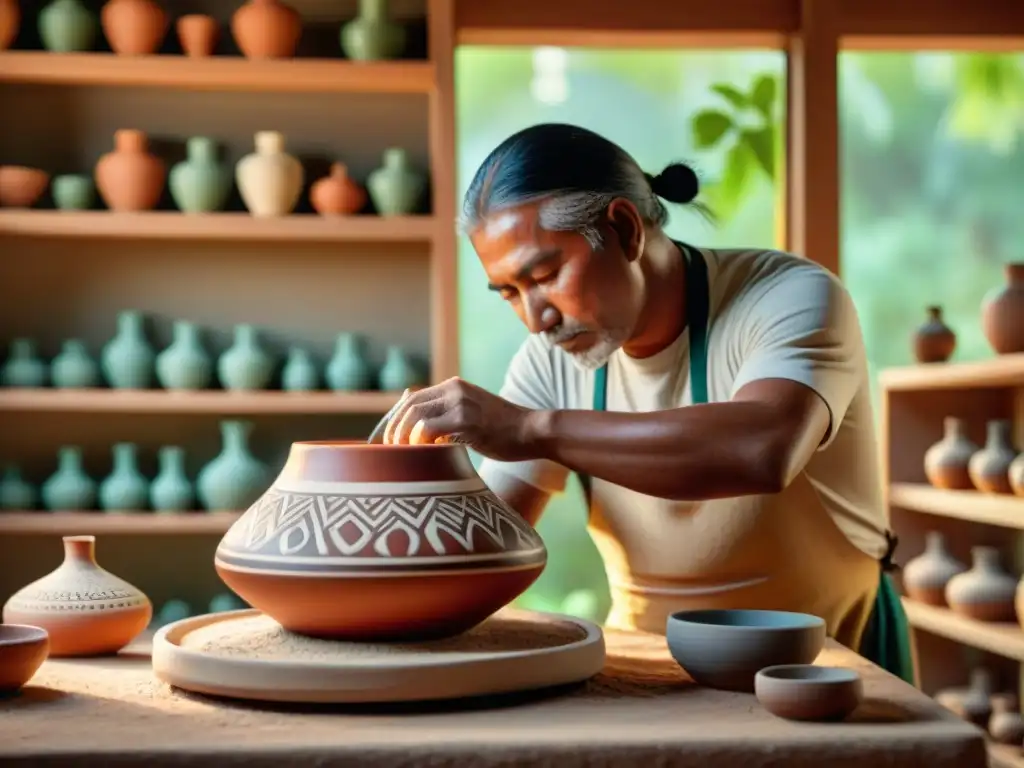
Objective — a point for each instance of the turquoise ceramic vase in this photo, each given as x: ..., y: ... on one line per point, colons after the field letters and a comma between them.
x: 73, y: 192
x: 348, y: 369
x: 15, y: 491
x: 235, y: 478
x: 200, y: 183
x: 300, y: 373
x: 67, y: 26
x: 171, y: 490
x: 69, y: 488
x: 185, y: 364
x: 246, y: 365
x: 372, y: 35
x: 127, y: 359
x: 396, y: 187
x: 398, y: 371
x: 23, y: 368
x: 125, y: 489
x: 74, y: 368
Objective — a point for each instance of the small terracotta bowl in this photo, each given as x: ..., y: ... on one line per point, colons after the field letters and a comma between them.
x: 725, y: 648
x: 21, y: 187
x: 23, y: 649
x: 808, y: 692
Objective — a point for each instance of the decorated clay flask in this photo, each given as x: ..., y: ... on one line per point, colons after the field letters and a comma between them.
x: 989, y: 468
x: 134, y: 27
x: 946, y: 462
x: 270, y: 180
x: 131, y: 178
x: 86, y: 610
x: 934, y: 341
x: 10, y: 21
x: 266, y: 29
x: 926, y: 576
x: 985, y: 592
x: 337, y: 194
x: 1002, y: 313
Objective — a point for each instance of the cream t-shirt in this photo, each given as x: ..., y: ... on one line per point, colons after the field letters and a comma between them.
x: 812, y: 547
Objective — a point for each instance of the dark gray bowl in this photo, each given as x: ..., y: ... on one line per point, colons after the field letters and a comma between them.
x: 726, y: 648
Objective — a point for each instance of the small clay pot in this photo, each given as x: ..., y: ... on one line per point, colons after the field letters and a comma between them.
x: 198, y: 34
x: 337, y: 194
x: 934, y: 341
x: 946, y: 462
x: 989, y: 468
x: 134, y: 27
x: 925, y: 577
x: 23, y: 649
x: 130, y: 178
x: 21, y: 187
x: 1002, y: 313
x: 10, y: 21
x: 266, y: 29
x: 986, y: 592
x: 809, y: 692
x: 1006, y: 726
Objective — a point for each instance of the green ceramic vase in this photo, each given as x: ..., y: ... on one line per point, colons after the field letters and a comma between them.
x: 73, y: 368
x: 235, y: 478
x: 348, y: 369
x: 15, y: 491
x: 200, y: 183
x: 67, y: 26
x: 125, y: 489
x: 171, y: 490
x: 23, y: 368
x: 127, y: 359
x: 300, y: 373
x: 396, y: 188
x: 372, y: 35
x: 398, y: 371
x: 69, y: 488
x: 185, y: 364
x: 73, y: 192
x: 245, y: 365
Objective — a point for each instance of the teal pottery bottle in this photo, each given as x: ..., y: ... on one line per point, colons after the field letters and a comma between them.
x: 372, y: 35
x: 200, y: 183
x: 396, y: 187
x: 74, y: 368
x: 15, y: 491
x: 23, y: 368
x: 127, y: 359
x: 246, y: 365
x: 398, y: 371
x: 185, y: 364
x: 226, y: 601
x: 300, y: 373
x: 173, y: 610
x: 171, y: 490
x: 69, y: 488
x: 348, y: 369
x: 235, y: 478
x: 67, y: 26
x: 73, y: 192
x: 125, y: 489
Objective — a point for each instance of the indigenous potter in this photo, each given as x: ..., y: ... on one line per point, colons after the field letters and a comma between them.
x: 714, y: 402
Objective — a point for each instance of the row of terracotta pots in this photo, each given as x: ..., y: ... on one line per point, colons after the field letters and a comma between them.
x: 986, y: 591
x: 262, y: 29
x: 1002, y: 322
x: 957, y: 463
x: 979, y: 703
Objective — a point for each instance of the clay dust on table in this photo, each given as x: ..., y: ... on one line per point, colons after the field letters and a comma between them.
x: 262, y: 638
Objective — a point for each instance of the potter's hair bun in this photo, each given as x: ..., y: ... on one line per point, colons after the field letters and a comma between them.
x: 677, y: 183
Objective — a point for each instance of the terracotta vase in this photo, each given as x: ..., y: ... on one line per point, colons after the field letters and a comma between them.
x: 131, y: 178
x: 269, y: 180
x: 198, y: 34
x: 925, y: 577
x: 1016, y: 475
x: 985, y: 592
x: 86, y: 610
x: 375, y: 542
x: 266, y: 29
x: 337, y: 194
x: 134, y: 27
x: 989, y: 468
x: 1006, y: 726
x: 1002, y: 313
x: 946, y: 462
x: 934, y: 341
x: 10, y: 21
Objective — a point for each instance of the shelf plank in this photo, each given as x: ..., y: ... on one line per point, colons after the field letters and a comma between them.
x: 173, y: 225
x: 1002, y: 371
x: 1004, y: 638
x: 1005, y: 755
x: 143, y: 522
x: 217, y: 73
x: 988, y: 508
x: 204, y: 401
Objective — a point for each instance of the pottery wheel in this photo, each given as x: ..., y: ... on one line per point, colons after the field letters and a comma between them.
x: 247, y: 655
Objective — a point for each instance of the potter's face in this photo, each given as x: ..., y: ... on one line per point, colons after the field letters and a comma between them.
x: 584, y: 300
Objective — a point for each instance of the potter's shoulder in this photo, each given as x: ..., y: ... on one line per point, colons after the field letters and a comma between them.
x: 753, y: 266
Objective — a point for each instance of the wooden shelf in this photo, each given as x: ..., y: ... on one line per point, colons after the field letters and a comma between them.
x: 1002, y: 371
x: 172, y: 225
x: 1005, y: 755
x: 1005, y: 639
x: 987, y: 508
x: 144, y: 522
x: 208, y: 401
x: 217, y: 73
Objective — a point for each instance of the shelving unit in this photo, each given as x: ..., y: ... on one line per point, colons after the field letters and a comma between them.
x: 101, y: 523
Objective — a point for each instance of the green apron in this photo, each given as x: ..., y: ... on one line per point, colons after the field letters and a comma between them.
x: 886, y: 639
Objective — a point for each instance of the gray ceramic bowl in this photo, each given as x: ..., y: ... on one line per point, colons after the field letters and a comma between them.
x: 807, y: 692
x: 726, y: 648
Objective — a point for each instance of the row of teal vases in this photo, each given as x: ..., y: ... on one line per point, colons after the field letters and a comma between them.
x: 231, y: 481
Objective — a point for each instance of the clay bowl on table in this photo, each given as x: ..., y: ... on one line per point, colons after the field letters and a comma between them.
x: 725, y: 648
x: 23, y: 649
x: 808, y: 692
x: 379, y: 542
x: 21, y: 187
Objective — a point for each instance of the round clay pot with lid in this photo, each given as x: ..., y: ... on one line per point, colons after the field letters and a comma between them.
x: 1002, y: 313
x: 985, y: 592
x: 10, y: 21
x: 198, y: 34
x: 134, y: 27
x: 989, y: 468
x: 337, y: 194
x: 934, y: 341
x: 925, y: 577
x: 131, y: 178
x: 267, y: 29
x: 946, y: 462
x: 379, y: 542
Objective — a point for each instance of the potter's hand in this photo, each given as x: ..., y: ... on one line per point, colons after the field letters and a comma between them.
x: 459, y: 412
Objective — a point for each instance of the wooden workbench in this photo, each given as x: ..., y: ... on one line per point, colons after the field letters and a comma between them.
x: 641, y: 711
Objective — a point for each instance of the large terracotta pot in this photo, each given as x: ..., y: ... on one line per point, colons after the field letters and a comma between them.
x: 1002, y: 313
x: 379, y: 542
